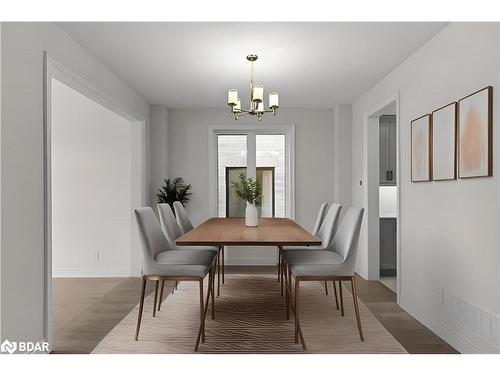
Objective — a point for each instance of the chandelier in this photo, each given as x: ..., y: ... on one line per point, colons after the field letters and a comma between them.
x: 256, y: 107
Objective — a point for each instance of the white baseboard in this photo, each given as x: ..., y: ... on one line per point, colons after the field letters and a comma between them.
x: 459, y: 338
x: 91, y: 272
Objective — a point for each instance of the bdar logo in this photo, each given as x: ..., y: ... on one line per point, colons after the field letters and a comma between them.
x: 8, y: 347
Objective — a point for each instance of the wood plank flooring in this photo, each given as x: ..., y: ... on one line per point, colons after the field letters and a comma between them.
x: 85, y: 310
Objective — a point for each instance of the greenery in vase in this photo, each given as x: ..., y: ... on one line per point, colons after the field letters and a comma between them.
x: 174, y: 190
x: 247, y: 189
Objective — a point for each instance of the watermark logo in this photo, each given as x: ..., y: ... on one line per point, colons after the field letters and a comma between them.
x: 8, y: 347
x: 24, y: 347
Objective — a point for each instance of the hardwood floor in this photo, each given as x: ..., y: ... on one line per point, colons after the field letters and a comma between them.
x: 85, y: 310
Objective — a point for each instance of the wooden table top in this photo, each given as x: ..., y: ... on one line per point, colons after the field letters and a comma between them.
x: 232, y: 231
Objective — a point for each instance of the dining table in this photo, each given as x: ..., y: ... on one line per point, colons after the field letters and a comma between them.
x: 221, y: 232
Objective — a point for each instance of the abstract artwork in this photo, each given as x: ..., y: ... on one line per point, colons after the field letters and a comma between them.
x: 444, y: 155
x: 475, y: 147
x: 420, y: 149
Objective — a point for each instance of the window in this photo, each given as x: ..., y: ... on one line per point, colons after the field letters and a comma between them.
x: 262, y: 156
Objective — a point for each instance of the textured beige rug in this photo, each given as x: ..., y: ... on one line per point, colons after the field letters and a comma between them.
x: 250, y: 318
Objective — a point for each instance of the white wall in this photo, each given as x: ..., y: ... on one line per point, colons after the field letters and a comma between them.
x: 91, y: 189
x: 22, y: 195
x: 449, y: 230
x: 342, y: 154
x: 159, y: 142
x: 314, y: 155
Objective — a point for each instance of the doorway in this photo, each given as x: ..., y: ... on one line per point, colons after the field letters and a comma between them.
x: 383, y: 191
x: 94, y: 165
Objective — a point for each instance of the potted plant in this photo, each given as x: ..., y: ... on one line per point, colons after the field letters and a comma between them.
x: 174, y: 190
x: 249, y: 190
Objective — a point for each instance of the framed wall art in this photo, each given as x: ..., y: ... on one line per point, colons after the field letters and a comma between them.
x: 444, y: 146
x: 421, y: 157
x: 475, y: 140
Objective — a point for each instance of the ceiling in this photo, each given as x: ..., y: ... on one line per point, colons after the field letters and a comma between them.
x: 191, y: 65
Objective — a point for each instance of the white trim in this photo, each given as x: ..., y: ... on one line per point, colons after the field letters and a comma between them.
x: 288, y: 130
x: 54, y: 69
x: 366, y: 116
x: 456, y: 337
x: 91, y: 272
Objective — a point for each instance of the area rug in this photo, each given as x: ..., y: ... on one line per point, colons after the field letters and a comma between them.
x: 250, y: 318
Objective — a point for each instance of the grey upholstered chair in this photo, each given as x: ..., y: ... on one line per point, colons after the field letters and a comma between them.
x: 163, y: 263
x: 186, y: 225
x: 337, y: 263
x: 325, y: 233
x: 320, y: 218
x: 172, y: 232
x: 182, y: 217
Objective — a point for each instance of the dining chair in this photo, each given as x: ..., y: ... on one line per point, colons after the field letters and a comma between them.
x: 186, y: 225
x: 161, y: 263
x: 319, y: 220
x: 334, y: 264
x: 172, y: 232
x: 325, y: 232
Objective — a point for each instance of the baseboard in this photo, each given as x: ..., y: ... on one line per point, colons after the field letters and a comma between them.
x: 91, y: 272
x: 460, y: 339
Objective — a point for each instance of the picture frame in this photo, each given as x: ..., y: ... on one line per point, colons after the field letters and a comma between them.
x: 475, y: 134
x: 421, y: 148
x: 444, y: 142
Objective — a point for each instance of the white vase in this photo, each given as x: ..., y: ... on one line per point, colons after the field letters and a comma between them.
x: 251, y: 215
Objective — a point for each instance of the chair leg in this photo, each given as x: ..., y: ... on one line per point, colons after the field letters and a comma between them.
x: 156, y: 297
x: 176, y: 285
x: 335, y: 292
x: 289, y: 300
x: 326, y: 288
x: 218, y: 272
x: 141, y: 306
x: 282, y: 269
x: 279, y: 264
x: 202, y: 314
x: 341, y: 299
x: 356, y: 307
x: 296, y: 302
x: 211, y: 289
x: 161, y: 294
x: 223, y: 266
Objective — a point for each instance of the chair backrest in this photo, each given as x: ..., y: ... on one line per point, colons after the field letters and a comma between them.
x: 320, y: 218
x: 182, y: 217
x: 152, y: 238
x: 345, y: 241
x: 169, y: 225
x: 329, y: 225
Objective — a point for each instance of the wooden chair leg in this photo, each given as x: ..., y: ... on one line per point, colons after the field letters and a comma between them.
x: 161, y: 294
x: 326, y: 288
x: 211, y: 289
x: 282, y: 270
x: 341, y: 299
x: 218, y: 272
x: 296, y: 303
x: 356, y: 307
x: 279, y: 263
x: 335, y: 292
x: 202, y: 314
x: 141, y: 306
x: 289, y: 287
x: 176, y: 285
x: 223, y: 266
x: 156, y: 297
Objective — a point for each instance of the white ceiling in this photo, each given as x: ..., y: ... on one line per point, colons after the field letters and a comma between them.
x: 191, y: 65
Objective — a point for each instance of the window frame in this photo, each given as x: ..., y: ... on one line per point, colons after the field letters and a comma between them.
x: 251, y: 132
